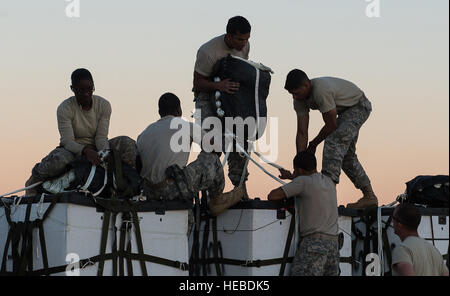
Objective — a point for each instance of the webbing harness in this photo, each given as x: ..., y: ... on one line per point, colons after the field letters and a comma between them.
x: 219, y: 261
x: 23, y: 231
x: 23, y: 258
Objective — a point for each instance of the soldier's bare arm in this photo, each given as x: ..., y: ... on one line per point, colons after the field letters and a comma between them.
x: 276, y: 194
x: 330, y: 119
x: 201, y: 83
x: 404, y: 269
x: 301, y: 139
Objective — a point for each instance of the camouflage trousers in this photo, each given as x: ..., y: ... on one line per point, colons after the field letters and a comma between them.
x: 205, y: 173
x: 316, y: 257
x: 236, y: 161
x: 55, y: 163
x: 339, y: 150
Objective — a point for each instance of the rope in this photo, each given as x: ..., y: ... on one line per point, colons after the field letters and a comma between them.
x: 22, y: 189
x: 380, y: 235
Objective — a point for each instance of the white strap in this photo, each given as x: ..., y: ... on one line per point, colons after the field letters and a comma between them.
x: 89, y: 179
x: 105, y: 181
x: 22, y: 189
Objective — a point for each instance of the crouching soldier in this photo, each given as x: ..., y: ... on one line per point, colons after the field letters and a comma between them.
x: 164, y: 162
x: 317, y: 251
x: 83, y: 124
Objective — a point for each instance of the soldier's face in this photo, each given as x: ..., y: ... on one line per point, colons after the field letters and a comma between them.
x: 239, y: 41
x: 301, y: 93
x: 83, y: 90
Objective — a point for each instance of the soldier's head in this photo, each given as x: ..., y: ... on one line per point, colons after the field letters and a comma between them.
x: 238, y: 32
x: 305, y: 163
x: 406, y: 218
x: 298, y: 84
x: 169, y: 104
x: 82, y: 86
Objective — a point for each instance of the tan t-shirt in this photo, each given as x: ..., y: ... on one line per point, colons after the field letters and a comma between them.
x: 79, y: 128
x: 316, y: 202
x: 424, y: 257
x: 211, y: 52
x: 158, y: 153
x: 329, y: 93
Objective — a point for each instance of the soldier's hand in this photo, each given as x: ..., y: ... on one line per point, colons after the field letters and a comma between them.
x: 311, y: 148
x: 91, y: 155
x: 228, y: 86
x: 285, y: 174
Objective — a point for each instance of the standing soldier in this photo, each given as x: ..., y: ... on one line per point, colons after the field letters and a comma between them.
x: 234, y: 42
x: 344, y: 109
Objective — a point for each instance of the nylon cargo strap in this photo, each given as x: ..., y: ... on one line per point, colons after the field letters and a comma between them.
x: 204, y: 250
x: 220, y: 260
x: 194, y: 258
x: 288, y: 245
x: 24, y: 231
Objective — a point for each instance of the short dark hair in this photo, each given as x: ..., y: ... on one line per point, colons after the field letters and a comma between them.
x: 238, y: 24
x: 295, y: 79
x: 408, y: 215
x: 168, y: 104
x: 81, y: 74
x: 305, y: 160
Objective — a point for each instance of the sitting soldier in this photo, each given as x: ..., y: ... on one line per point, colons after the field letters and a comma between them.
x: 164, y: 170
x: 83, y: 123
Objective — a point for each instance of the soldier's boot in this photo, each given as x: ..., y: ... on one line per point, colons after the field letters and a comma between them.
x: 369, y: 199
x: 223, y: 201
x: 32, y: 191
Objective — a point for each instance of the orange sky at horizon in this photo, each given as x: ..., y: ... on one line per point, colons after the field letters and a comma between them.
x: 137, y: 52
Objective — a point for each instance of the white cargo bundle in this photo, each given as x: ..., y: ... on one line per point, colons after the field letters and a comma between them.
x: 73, y: 232
x: 250, y: 238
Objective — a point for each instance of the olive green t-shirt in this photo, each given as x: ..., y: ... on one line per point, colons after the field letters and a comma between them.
x: 329, y: 93
x: 424, y: 257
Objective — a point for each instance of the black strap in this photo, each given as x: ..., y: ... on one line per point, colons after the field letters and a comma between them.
x: 95, y: 259
x: 104, y: 239
x: 139, y: 242
x: 216, y: 247
x: 287, y: 247
x: 123, y: 234
x: 114, y: 244
x: 248, y: 263
x: 204, y: 251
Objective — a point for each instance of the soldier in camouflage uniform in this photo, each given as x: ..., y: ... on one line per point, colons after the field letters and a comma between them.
x: 234, y: 42
x: 344, y: 109
x: 83, y: 124
x: 316, y: 205
x: 164, y: 166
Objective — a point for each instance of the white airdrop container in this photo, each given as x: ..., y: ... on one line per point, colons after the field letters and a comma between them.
x: 253, y: 239
x: 72, y: 237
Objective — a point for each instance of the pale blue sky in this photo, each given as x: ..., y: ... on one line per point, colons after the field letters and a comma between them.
x: 138, y: 50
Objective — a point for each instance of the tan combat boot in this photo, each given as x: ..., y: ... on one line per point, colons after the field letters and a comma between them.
x: 369, y: 199
x: 222, y: 202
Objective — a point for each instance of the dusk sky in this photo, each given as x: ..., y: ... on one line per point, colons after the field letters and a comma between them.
x: 397, y: 52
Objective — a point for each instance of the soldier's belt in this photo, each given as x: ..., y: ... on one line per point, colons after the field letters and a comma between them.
x: 321, y: 235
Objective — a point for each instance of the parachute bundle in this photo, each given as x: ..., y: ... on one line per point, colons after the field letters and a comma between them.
x: 250, y: 100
